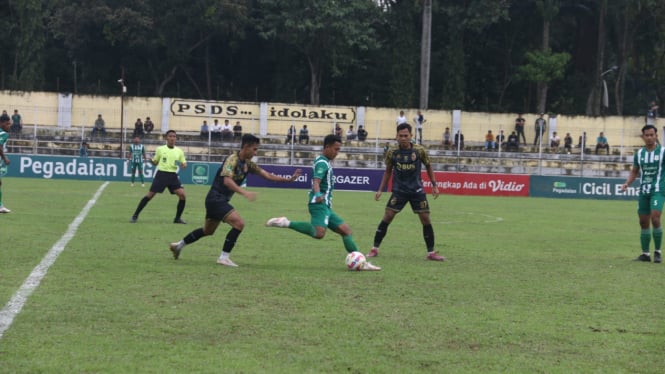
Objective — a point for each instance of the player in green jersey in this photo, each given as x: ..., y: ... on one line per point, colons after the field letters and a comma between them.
x: 403, y: 164
x: 648, y: 165
x: 4, y: 161
x: 135, y: 158
x: 231, y: 175
x: 320, y: 202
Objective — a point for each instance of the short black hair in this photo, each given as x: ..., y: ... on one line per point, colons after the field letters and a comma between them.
x: 331, y: 139
x: 403, y: 126
x: 647, y: 127
x: 249, y: 139
x: 168, y: 132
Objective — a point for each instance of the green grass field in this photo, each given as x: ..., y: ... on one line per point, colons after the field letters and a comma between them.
x: 530, y: 286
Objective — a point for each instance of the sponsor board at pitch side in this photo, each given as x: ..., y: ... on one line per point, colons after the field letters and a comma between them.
x: 582, y: 188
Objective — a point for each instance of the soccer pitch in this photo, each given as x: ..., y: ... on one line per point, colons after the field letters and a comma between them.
x: 530, y: 285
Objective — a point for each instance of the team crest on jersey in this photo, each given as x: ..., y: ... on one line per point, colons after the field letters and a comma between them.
x: 413, y: 156
x: 245, y: 168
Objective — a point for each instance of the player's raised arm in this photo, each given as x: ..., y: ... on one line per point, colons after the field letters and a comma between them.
x: 275, y: 178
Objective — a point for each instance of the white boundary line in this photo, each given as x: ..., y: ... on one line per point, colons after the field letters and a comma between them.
x: 14, y: 306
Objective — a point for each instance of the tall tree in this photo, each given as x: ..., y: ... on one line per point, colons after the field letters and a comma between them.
x: 548, y: 10
x: 328, y: 33
x: 462, y: 22
x: 28, y: 37
x: 598, y: 89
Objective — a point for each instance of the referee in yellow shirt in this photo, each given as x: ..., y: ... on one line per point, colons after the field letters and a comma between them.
x: 167, y: 159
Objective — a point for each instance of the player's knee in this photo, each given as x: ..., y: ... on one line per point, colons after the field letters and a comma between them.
x: 239, y: 226
x: 319, y: 233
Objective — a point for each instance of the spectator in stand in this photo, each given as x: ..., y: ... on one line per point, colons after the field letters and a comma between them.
x: 148, y: 126
x: 338, y: 130
x: 513, y: 142
x: 401, y: 119
x: 205, y: 131
x: 652, y: 114
x: 555, y: 141
x: 227, y: 131
x: 489, y: 140
x: 362, y: 133
x: 237, y: 131
x: 17, y: 123
x: 216, y: 130
x: 601, y: 143
x: 290, y: 136
x: 519, y: 128
x: 568, y: 143
x: 350, y: 134
x: 83, y: 151
x: 138, y: 129
x: 446, y: 138
x: 539, y: 126
x: 303, y: 137
x: 99, y: 127
x: 459, y: 140
x: 419, y: 120
x: 581, y: 143
x: 500, y: 140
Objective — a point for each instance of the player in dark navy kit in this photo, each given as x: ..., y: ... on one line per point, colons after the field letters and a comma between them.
x: 404, y: 164
x: 230, y: 176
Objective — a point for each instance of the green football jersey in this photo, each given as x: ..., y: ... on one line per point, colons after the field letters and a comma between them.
x: 323, y: 170
x: 650, y: 164
x: 137, y: 151
x: 3, y: 141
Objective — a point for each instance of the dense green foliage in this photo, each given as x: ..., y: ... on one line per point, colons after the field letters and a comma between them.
x: 486, y: 55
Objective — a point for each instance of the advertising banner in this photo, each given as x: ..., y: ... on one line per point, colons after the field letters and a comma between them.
x: 345, y: 179
x: 582, y: 188
x: 97, y: 168
x: 67, y: 167
x: 201, y: 173
x: 479, y: 184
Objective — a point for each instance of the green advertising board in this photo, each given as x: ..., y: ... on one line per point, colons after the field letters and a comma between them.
x: 94, y: 168
x: 581, y: 188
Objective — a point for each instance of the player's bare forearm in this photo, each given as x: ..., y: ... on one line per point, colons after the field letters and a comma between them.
x: 233, y: 186
x: 631, y: 178
x: 316, y: 190
x: 275, y: 178
x: 384, y: 181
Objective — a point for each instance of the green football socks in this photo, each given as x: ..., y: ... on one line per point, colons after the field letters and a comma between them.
x: 303, y: 228
x: 645, y: 239
x: 657, y: 237
x: 349, y: 244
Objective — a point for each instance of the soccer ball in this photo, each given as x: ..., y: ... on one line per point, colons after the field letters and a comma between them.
x: 355, y: 260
